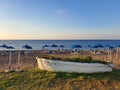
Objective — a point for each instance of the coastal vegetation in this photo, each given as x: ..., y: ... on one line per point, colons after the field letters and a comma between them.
x: 35, y: 79
x: 87, y: 59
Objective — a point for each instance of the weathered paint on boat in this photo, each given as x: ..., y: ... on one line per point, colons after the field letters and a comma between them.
x: 65, y: 66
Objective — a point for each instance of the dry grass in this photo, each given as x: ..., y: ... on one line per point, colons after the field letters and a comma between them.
x: 35, y: 79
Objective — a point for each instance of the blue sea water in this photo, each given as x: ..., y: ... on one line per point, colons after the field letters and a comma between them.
x: 38, y: 44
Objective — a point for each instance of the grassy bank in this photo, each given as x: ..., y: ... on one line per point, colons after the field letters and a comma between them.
x: 35, y: 79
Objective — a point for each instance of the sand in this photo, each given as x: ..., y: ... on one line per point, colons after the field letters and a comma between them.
x: 28, y: 58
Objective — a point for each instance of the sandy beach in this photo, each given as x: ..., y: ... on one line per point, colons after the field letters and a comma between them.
x: 28, y: 58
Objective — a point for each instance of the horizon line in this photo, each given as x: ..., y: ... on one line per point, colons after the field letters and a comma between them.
x: 59, y: 39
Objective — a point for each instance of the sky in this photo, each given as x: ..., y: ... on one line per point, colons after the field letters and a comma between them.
x: 59, y: 19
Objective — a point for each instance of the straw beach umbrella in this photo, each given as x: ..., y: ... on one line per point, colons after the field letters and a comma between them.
x: 109, y: 51
x: 62, y: 46
x: 95, y: 51
x: 89, y: 46
x: 111, y: 47
x: 117, y: 50
x: 76, y: 46
x: 45, y: 46
x: 18, y: 60
x: 54, y: 46
x: 9, y: 65
x: 10, y: 60
x: 98, y: 46
x: 98, y: 51
x: 8, y: 47
x: 27, y: 47
x: 4, y: 46
x: 95, y: 46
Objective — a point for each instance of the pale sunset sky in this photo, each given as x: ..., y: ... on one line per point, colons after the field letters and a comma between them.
x: 59, y: 19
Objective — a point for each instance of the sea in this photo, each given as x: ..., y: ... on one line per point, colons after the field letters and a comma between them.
x: 38, y: 44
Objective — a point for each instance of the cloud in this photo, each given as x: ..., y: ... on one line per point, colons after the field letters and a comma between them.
x: 60, y: 11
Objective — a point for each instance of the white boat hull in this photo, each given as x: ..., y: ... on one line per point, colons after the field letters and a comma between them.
x: 65, y: 66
